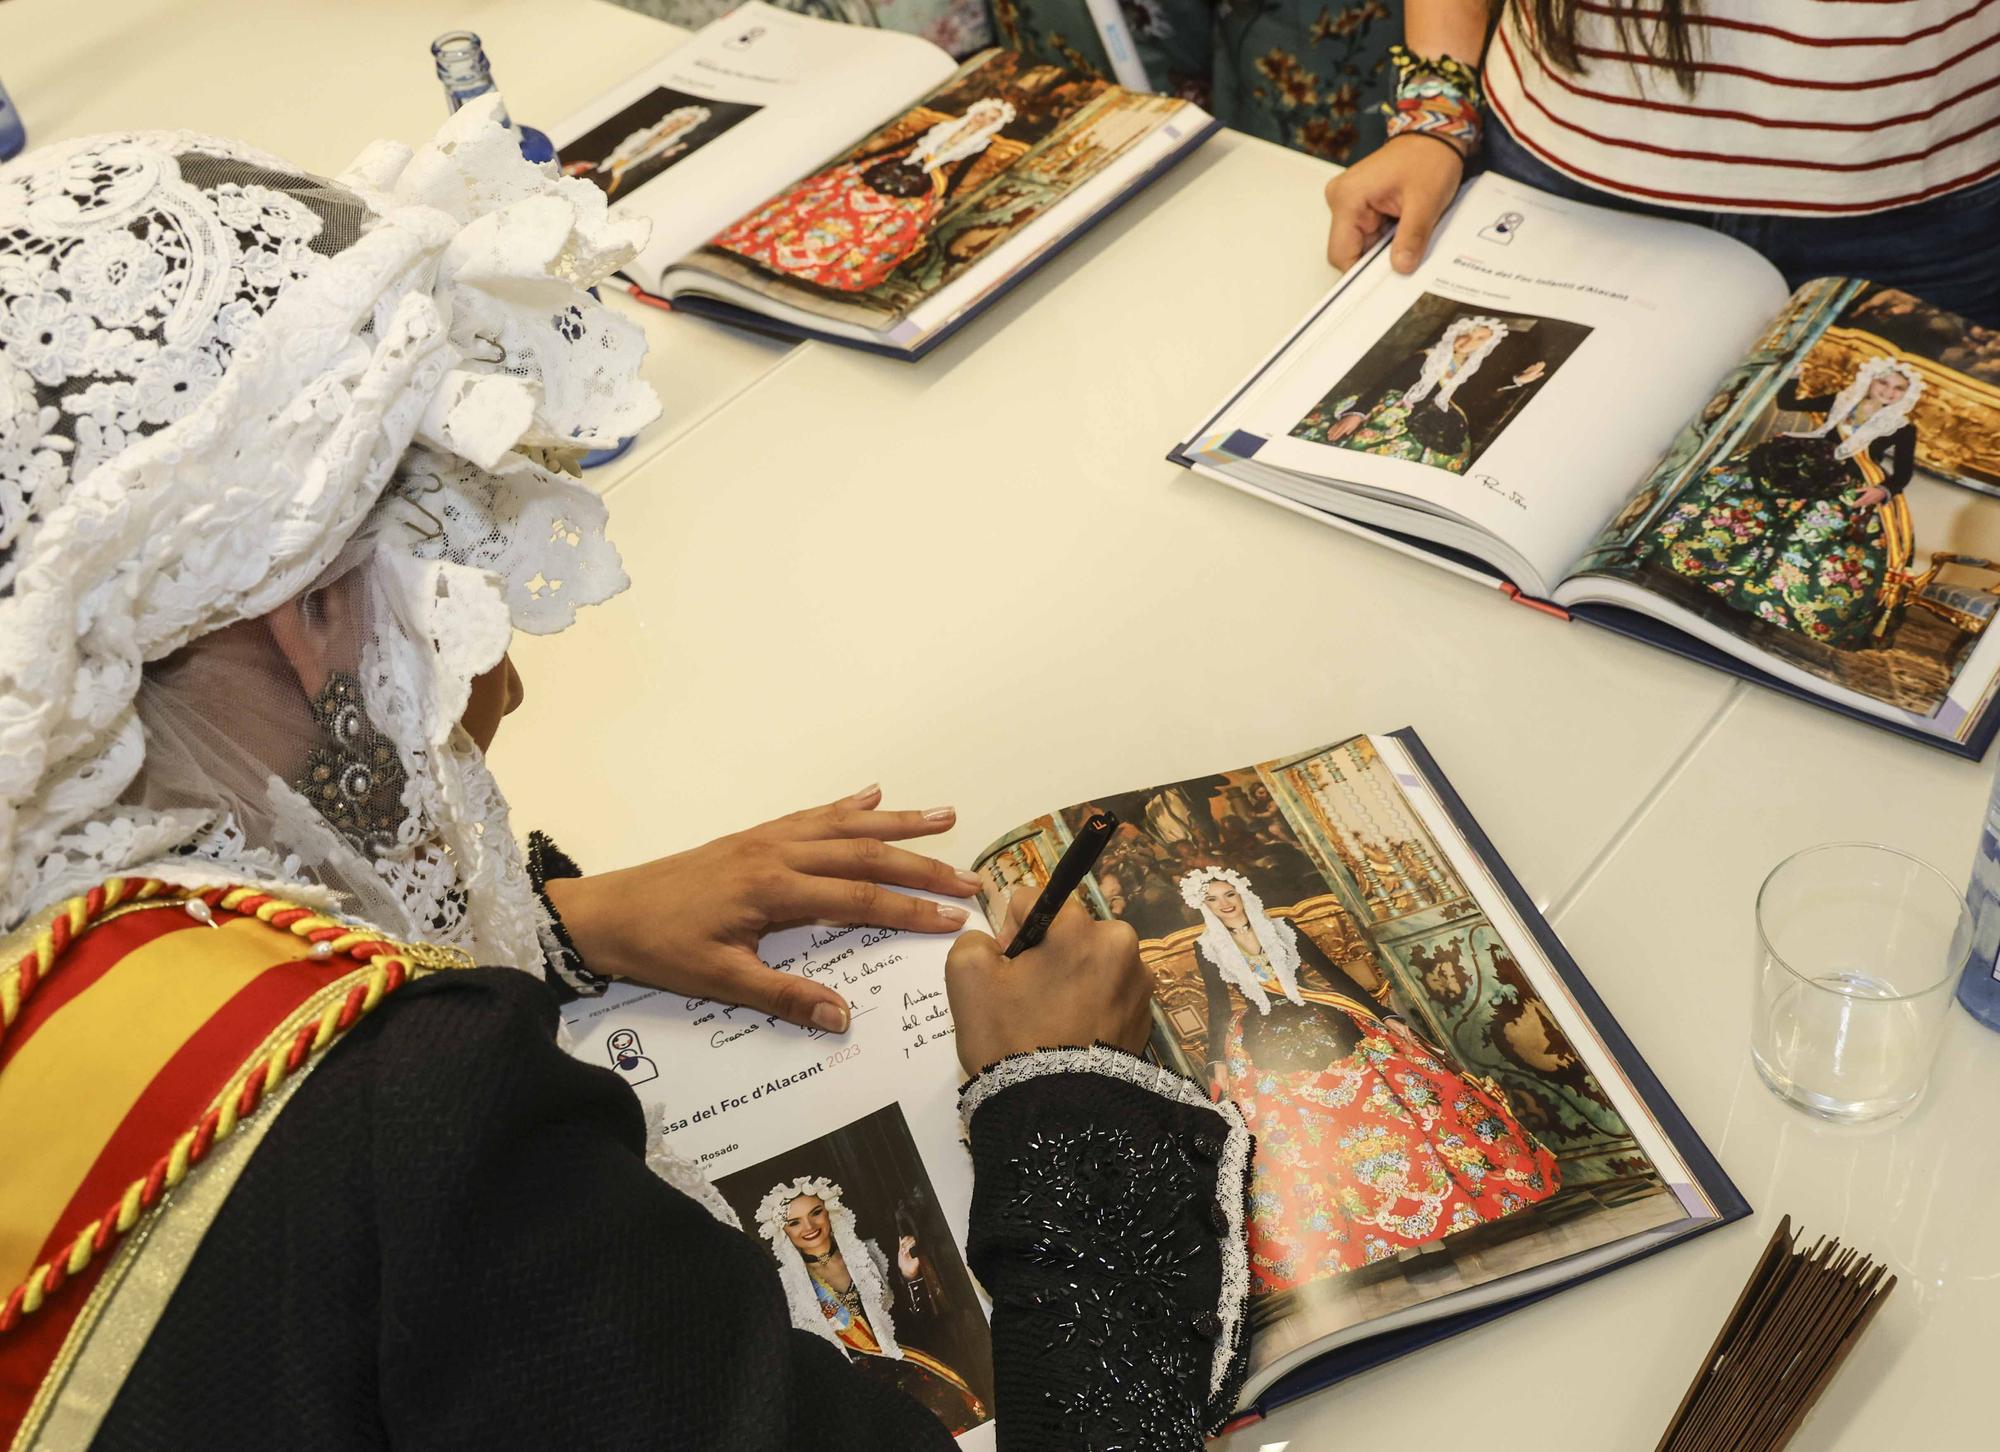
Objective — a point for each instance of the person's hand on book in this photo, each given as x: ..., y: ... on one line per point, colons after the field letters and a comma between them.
x: 690, y: 923
x: 1409, y: 180
x: 1082, y: 984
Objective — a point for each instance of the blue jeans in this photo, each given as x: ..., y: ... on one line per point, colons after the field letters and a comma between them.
x: 1945, y: 250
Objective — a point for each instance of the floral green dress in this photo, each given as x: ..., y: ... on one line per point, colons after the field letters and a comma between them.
x: 1777, y: 531
x: 1394, y: 428
x: 1308, y: 74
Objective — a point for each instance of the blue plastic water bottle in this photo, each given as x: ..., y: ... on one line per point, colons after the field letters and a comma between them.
x: 13, y: 135
x: 463, y: 70
x: 1979, y: 987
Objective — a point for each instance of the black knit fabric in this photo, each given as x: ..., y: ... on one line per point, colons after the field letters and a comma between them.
x: 450, y: 1239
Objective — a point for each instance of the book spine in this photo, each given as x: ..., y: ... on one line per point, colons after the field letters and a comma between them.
x: 1547, y: 607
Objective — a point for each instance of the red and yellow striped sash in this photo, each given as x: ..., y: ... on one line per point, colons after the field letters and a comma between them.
x: 138, y: 1028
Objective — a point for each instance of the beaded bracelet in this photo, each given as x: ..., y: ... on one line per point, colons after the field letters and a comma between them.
x: 569, y: 975
x: 1437, y: 97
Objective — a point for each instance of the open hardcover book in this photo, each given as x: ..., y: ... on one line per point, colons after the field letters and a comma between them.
x: 1631, y: 421
x: 1448, y: 1122
x: 858, y: 185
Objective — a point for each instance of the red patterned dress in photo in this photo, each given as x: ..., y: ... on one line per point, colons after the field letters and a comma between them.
x: 1368, y: 1142
x: 836, y: 230
x: 1373, y: 1153
x: 850, y: 226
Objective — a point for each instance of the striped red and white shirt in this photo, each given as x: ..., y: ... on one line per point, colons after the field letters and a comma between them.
x: 1806, y: 107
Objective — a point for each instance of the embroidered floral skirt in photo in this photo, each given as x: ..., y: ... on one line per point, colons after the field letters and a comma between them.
x: 1382, y: 1150
x: 1394, y: 429
x: 1805, y: 564
x: 833, y: 230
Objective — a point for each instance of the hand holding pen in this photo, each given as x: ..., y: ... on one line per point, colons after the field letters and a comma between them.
x: 1081, y: 984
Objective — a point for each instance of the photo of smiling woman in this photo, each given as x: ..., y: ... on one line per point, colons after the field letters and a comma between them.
x: 868, y: 1264
x: 1368, y: 1142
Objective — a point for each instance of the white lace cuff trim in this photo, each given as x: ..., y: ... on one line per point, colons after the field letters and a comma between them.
x: 1232, y: 1167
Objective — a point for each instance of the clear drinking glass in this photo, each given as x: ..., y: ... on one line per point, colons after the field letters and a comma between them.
x: 1860, y: 948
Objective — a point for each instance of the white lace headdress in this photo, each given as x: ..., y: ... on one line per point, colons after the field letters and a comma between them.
x: 1277, y: 937
x: 865, y: 1264
x: 1879, y: 424
x: 275, y: 484
x: 1438, y: 372
x: 937, y: 149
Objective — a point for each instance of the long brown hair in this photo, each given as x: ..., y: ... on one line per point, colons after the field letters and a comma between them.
x: 1668, y: 39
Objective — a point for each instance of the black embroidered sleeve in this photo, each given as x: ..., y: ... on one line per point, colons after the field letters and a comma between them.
x: 1108, y: 1213
x: 563, y: 968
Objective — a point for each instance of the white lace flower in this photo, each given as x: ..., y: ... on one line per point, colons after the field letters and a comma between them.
x: 267, y: 215
x: 268, y: 268
x: 116, y: 276
x: 46, y: 334
x: 170, y: 383
x: 97, y: 438
x: 25, y: 422
x: 234, y: 323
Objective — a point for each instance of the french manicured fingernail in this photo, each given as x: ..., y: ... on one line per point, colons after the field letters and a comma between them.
x: 940, y: 814
x: 831, y: 1017
x: 952, y: 915
x: 873, y: 789
x: 970, y: 881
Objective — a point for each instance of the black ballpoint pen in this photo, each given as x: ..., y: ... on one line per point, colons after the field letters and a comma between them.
x: 1075, y: 865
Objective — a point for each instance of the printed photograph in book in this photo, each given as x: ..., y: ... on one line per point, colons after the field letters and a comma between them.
x: 866, y: 1261
x: 909, y: 209
x: 653, y: 133
x: 1422, y: 1123
x: 1834, y: 504
x: 1442, y: 384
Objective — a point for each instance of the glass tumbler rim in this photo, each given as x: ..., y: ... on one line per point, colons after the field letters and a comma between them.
x: 1948, y: 971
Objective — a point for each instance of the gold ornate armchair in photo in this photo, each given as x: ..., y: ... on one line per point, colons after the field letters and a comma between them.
x: 1964, y: 602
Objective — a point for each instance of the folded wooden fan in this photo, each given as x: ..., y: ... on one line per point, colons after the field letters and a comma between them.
x: 1795, y: 1322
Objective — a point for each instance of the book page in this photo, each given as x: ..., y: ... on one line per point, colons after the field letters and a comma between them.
x: 909, y: 219
x: 1523, y: 379
x: 870, y: 1117
x: 1434, y: 1112
x: 1832, y: 514
x: 751, y: 103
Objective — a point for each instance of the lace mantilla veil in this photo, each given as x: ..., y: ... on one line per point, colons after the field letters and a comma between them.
x: 866, y: 1265
x: 281, y: 468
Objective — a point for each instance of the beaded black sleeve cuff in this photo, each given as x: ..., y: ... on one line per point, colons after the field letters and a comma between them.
x: 1110, y: 1204
x: 563, y: 967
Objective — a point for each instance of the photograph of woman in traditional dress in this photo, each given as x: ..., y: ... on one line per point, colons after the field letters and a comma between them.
x: 1441, y: 385
x: 868, y: 1263
x: 1802, y: 529
x: 1369, y: 1142
x: 662, y: 142
x: 660, y: 129
x: 850, y: 226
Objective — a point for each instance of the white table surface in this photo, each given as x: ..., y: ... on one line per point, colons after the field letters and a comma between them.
x: 315, y: 81
x: 977, y: 580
